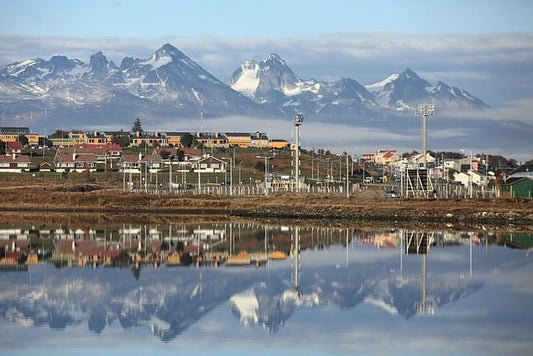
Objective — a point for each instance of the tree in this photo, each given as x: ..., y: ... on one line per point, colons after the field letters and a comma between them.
x: 260, y: 166
x: 180, y: 156
x: 59, y: 134
x: 2, y: 147
x: 164, y: 154
x: 187, y: 140
x: 137, y: 126
x: 122, y: 140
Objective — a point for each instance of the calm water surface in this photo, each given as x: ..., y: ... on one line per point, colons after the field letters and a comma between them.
x: 352, y: 292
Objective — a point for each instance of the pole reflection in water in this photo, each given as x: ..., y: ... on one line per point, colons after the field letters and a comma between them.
x: 296, y: 261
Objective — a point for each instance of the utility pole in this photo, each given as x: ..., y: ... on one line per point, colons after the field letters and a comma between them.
x: 425, y: 110
x: 347, y: 181
x: 298, y: 119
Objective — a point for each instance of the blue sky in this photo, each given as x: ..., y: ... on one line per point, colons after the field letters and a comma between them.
x: 272, y: 19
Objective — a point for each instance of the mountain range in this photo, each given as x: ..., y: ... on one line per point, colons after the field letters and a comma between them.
x: 169, y: 87
x: 170, y: 84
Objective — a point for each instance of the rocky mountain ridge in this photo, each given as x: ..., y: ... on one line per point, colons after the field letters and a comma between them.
x: 170, y: 84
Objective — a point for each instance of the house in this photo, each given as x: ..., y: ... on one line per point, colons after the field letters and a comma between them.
x: 215, y: 140
x: 76, y: 162
x: 33, y: 139
x: 106, y: 154
x: 14, y: 163
x: 209, y: 164
x: 466, y: 164
x: 385, y: 157
x: 135, y: 163
x: 418, y: 159
x: 190, y: 156
x: 174, y: 138
x: 153, y: 139
x: 45, y: 167
x: 191, y: 153
x: 14, y: 147
x: 11, y: 134
x: 113, y: 135
x: 525, y: 170
x: 259, y: 140
x: 278, y: 144
x: 72, y: 138
x: 464, y: 178
x: 96, y: 138
x: 517, y: 187
x: 238, y: 139
x: 367, y: 157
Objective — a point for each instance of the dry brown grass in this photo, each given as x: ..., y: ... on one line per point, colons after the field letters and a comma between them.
x: 65, y: 197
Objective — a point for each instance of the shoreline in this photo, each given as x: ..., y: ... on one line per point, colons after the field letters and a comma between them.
x: 364, y: 207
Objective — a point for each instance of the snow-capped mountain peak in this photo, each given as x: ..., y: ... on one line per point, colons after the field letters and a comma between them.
x: 404, y: 91
x: 100, y: 67
x: 275, y: 59
x: 374, y: 87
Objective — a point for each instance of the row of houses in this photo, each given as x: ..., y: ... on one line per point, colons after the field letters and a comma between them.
x: 83, y: 158
x: 151, y: 139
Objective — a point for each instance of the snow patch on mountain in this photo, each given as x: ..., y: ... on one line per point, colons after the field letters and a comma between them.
x: 374, y: 87
x: 248, y: 82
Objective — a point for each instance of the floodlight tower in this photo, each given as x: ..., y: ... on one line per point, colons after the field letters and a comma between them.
x: 298, y: 119
x: 425, y: 110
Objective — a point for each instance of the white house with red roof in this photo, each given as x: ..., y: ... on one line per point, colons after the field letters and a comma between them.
x: 137, y: 162
x: 14, y: 163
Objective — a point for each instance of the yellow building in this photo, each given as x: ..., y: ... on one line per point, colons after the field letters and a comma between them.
x: 33, y: 139
x: 259, y: 140
x: 215, y: 140
x: 70, y: 139
x: 239, y: 139
x: 278, y: 144
x: 11, y: 134
x: 174, y: 138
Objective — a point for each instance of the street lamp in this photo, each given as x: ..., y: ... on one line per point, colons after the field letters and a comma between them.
x: 298, y: 120
x: 425, y: 110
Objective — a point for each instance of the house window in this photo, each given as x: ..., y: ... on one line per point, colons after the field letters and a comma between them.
x: 79, y: 165
x: 203, y: 165
x: 215, y: 165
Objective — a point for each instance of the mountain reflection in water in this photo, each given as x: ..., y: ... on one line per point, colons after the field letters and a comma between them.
x: 384, y: 274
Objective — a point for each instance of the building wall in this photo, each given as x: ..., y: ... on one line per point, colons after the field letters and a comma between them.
x: 523, y: 189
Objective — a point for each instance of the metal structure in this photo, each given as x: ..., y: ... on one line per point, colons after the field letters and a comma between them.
x: 298, y: 120
x: 417, y: 181
x: 424, y: 111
